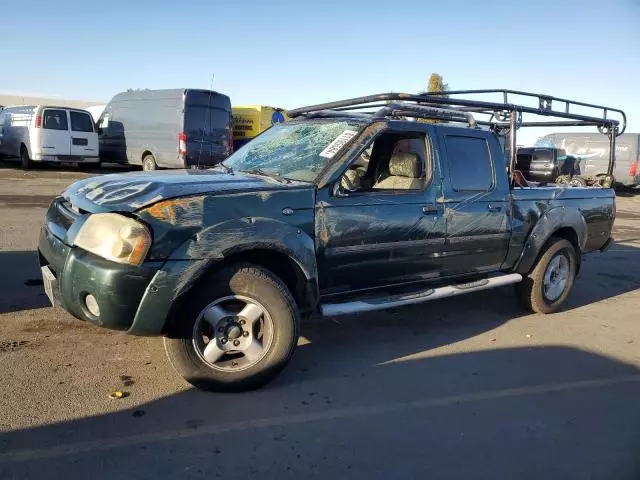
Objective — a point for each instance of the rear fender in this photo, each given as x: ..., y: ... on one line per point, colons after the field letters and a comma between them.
x: 552, y: 221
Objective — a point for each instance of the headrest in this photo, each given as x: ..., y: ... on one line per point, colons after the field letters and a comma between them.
x: 405, y: 165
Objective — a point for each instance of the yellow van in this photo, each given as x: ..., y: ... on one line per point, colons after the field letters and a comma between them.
x: 251, y: 120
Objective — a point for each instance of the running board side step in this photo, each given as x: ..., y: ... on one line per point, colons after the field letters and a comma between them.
x: 381, y: 303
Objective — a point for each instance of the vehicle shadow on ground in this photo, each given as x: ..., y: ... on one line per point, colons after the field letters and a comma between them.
x: 628, y: 192
x: 21, y: 282
x: 607, y: 275
x: 540, y: 412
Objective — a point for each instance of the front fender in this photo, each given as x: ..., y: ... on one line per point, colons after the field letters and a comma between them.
x: 552, y: 221
x: 195, y: 256
x: 219, y: 241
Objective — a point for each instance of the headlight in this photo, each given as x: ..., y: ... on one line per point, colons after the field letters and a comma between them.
x: 114, y: 237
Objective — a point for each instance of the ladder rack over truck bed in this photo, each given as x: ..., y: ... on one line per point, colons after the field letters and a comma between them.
x: 503, y: 117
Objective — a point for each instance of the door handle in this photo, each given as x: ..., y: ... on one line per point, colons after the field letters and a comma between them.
x: 492, y: 207
x: 430, y: 209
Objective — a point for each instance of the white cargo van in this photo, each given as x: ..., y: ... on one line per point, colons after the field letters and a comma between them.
x: 39, y: 133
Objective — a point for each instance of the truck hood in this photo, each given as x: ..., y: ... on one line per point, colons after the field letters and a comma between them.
x: 128, y: 192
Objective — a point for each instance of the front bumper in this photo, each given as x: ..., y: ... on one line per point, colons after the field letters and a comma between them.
x: 118, y: 289
x: 38, y: 157
x: 137, y: 299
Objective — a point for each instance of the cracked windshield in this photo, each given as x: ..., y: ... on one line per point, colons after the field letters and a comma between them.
x: 294, y: 151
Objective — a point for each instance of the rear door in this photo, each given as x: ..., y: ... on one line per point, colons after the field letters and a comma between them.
x: 54, y: 136
x: 476, y: 201
x: 207, y: 128
x: 84, y: 139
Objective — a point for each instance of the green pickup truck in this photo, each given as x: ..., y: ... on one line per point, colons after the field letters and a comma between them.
x: 341, y: 210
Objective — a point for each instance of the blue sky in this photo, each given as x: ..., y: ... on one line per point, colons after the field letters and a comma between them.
x: 291, y: 53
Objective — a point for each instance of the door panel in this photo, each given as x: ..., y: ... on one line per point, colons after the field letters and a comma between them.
x: 374, y: 239
x: 54, y: 133
x: 383, y: 226
x: 477, y: 233
x: 84, y: 141
x: 476, y: 201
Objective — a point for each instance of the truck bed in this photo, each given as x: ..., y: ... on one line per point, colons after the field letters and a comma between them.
x: 590, y: 211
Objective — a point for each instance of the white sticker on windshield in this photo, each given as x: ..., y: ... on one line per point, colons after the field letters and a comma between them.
x: 335, y: 146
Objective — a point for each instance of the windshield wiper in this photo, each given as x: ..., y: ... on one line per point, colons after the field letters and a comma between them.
x: 274, y: 175
x: 227, y: 168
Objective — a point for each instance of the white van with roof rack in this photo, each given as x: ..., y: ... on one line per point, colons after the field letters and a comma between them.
x: 40, y: 133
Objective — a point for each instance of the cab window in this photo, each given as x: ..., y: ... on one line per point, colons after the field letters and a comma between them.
x: 394, y: 161
x: 469, y: 163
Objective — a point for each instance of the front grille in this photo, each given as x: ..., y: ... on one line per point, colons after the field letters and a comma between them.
x: 64, y: 214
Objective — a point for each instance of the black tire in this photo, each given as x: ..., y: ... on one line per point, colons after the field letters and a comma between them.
x: 249, y: 281
x: 531, y: 290
x: 25, y: 161
x: 149, y: 163
x: 577, y: 182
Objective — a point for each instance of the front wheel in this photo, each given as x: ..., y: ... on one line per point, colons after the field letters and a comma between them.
x: 238, y: 330
x: 549, y: 284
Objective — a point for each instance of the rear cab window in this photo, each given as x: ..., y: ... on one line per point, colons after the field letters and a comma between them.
x: 81, y: 122
x: 469, y: 160
x: 54, y: 119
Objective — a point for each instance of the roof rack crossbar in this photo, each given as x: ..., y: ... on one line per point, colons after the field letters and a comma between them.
x: 437, y: 99
x: 422, y: 111
x: 545, y: 102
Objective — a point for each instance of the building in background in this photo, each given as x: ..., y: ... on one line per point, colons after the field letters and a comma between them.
x: 8, y: 100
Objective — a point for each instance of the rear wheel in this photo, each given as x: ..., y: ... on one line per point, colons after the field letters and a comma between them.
x: 236, y: 332
x: 549, y: 284
x: 149, y: 163
x: 24, y: 158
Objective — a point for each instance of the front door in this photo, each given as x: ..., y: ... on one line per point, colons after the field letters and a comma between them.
x: 84, y: 141
x: 382, y: 225
x: 54, y: 134
x: 476, y: 201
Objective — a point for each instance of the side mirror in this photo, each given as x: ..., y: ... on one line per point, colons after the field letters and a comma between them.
x: 338, y: 191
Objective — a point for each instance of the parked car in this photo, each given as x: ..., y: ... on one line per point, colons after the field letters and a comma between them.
x: 591, y: 150
x: 41, y: 133
x: 332, y: 213
x: 547, y: 165
x: 178, y: 128
x: 249, y: 121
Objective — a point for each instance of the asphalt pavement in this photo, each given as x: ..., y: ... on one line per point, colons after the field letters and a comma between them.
x: 466, y: 387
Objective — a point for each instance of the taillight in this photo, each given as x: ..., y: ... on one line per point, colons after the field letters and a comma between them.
x: 633, y: 169
x: 39, y: 121
x: 182, y: 143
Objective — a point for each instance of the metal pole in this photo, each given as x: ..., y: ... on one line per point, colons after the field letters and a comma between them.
x: 613, y: 132
x: 512, y: 143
